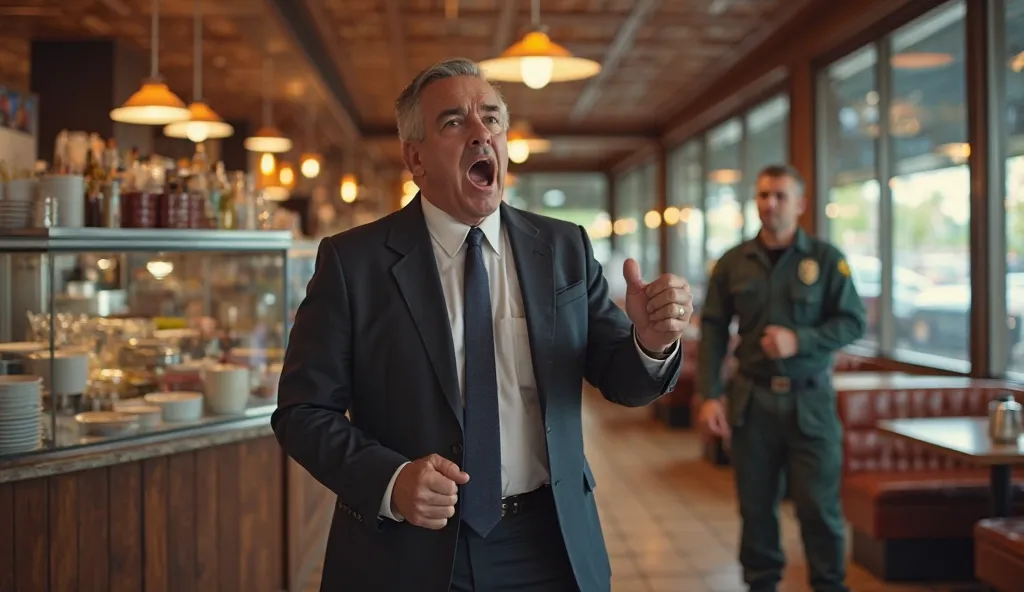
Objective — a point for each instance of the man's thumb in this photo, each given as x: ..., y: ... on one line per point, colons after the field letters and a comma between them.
x: 448, y: 469
x: 631, y: 273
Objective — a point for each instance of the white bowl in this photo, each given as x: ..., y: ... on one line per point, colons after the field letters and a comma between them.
x: 149, y: 415
x: 178, y: 406
x: 106, y: 423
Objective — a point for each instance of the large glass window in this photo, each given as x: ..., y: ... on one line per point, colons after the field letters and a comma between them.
x: 724, y: 188
x: 849, y: 174
x: 684, y: 218
x: 767, y: 142
x: 629, y: 214
x: 650, y: 230
x: 580, y: 198
x: 930, y: 186
x: 1011, y: 54
x: 893, y: 167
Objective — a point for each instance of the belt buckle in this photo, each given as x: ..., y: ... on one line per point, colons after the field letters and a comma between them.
x: 780, y: 384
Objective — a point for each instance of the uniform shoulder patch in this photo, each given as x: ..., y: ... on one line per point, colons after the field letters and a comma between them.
x: 844, y: 267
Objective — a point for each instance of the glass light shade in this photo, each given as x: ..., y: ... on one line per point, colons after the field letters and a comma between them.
x: 153, y: 104
x: 276, y: 194
x: 268, y: 139
x: 286, y: 175
x: 536, y: 60
x: 349, y: 189
x: 203, y: 124
x: 523, y: 132
x: 309, y: 165
x: 267, y: 164
x: 518, y: 151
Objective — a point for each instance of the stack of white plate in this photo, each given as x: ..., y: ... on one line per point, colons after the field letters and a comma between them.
x: 16, y: 205
x: 20, y: 405
x: 15, y: 215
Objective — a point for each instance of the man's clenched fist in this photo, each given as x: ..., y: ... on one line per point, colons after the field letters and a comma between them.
x: 426, y: 490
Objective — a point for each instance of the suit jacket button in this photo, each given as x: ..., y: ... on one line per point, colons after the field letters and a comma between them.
x: 456, y: 448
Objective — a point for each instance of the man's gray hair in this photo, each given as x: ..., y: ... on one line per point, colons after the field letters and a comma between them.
x: 407, y: 107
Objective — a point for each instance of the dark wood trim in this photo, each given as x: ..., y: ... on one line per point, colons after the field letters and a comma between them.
x: 978, y: 132
x: 640, y: 157
x: 548, y: 132
x: 541, y: 165
x: 873, y: 25
x: 692, y: 124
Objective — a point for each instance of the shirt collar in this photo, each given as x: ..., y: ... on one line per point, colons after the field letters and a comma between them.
x: 451, y: 234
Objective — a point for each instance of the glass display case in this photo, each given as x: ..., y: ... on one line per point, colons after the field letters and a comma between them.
x: 114, y: 334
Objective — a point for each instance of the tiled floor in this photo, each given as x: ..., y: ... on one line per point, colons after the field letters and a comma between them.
x: 670, y: 518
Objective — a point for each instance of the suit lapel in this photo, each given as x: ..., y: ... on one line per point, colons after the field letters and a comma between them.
x: 536, y: 272
x: 418, y: 280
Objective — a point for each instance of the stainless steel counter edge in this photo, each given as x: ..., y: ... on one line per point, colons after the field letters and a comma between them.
x: 69, y: 460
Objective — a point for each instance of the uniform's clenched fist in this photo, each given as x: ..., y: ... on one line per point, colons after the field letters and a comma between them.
x: 426, y: 491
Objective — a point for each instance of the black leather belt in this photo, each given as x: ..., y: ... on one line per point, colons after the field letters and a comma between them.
x: 789, y: 384
x: 515, y: 505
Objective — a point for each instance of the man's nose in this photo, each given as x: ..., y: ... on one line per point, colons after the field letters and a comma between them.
x: 479, y: 134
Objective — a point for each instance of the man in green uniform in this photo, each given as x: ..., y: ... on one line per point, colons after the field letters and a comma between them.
x: 795, y: 304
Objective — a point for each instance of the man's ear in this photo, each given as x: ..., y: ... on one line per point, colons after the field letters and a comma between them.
x: 411, y: 156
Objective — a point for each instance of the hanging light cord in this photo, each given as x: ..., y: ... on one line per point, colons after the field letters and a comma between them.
x: 267, y: 65
x: 535, y: 13
x: 154, y: 39
x: 197, y: 67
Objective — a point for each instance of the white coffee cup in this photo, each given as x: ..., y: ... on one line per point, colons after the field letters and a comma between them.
x: 227, y: 388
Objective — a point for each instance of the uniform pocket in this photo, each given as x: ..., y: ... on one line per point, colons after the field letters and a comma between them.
x: 806, y: 302
x: 748, y: 299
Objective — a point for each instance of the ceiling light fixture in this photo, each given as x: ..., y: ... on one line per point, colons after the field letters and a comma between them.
x: 154, y: 103
x: 537, y: 61
x: 203, y: 124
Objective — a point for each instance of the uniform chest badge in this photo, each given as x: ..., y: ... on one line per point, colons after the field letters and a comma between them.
x: 808, y: 271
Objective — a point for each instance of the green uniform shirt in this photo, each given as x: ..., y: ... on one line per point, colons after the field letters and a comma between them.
x: 808, y: 290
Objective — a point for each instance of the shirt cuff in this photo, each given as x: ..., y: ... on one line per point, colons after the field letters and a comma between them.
x: 385, y: 503
x: 656, y: 368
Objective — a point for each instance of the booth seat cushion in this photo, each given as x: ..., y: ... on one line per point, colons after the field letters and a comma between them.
x: 999, y: 552
x: 923, y: 505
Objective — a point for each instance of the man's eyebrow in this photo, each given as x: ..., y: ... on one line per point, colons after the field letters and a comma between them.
x: 450, y: 112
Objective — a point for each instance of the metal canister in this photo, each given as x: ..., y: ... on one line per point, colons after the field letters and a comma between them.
x: 44, y: 214
x: 111, y: 207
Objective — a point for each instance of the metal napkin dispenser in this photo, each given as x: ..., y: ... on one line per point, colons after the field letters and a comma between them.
x: 1004, y: 419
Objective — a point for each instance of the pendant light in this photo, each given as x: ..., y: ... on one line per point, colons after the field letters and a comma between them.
x: 309, y: 162
x: 522, y: 142
x: 203, y: 123
x: 267, y: 139
x: 154, y: 103
x: 536, y: 60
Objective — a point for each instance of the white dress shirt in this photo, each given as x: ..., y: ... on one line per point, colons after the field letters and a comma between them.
x: 524, y: 460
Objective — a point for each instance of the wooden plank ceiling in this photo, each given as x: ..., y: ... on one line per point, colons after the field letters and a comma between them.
x: 350, y: 58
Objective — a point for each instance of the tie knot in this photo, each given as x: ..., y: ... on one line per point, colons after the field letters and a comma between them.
x: 476, y: 237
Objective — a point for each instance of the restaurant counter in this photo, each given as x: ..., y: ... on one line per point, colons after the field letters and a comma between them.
x: 214, y: 506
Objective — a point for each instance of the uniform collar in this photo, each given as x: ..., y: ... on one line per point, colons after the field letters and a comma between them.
x: 451, y: 234
x: 801, y: 243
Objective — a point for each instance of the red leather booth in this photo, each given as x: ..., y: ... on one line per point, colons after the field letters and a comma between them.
x: 912, y: 510
x: 999, y: 553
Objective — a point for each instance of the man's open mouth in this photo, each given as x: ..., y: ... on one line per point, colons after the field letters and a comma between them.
x: 483, y: 173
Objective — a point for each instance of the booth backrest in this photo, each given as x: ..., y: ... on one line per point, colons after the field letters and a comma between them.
x: 896, y: 396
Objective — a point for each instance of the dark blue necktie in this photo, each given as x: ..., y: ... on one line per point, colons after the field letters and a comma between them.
x: 481, y: 497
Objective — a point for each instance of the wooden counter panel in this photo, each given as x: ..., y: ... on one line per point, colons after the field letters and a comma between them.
x: 209, y: 519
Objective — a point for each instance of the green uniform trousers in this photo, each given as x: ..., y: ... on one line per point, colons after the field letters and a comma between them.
x: 799, y: 434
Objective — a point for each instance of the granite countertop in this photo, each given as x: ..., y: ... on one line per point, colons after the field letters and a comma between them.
x: 43, y: 463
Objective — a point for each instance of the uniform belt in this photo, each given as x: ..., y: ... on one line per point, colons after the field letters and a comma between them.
x: 521, y: 503
x: 789, y: 384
